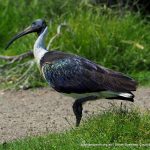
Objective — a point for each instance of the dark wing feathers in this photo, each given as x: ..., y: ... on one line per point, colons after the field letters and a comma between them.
x: 67, y: 76
x: 74, y: 74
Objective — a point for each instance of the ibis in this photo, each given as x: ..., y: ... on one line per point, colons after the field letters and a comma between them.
x: 76, y: 76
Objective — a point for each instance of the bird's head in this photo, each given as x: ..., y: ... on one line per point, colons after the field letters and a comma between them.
x: 37, y: 26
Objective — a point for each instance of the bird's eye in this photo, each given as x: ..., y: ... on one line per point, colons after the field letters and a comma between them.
x: 34, y: 23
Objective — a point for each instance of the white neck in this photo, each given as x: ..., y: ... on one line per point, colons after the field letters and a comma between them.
x: 39, y: 46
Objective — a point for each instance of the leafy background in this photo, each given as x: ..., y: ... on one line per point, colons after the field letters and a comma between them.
x: 115, y: 38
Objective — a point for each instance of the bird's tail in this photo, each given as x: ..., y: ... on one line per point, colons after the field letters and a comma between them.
x: 128, y: 96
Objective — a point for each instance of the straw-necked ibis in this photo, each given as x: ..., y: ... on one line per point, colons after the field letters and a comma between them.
x: 77, y: 76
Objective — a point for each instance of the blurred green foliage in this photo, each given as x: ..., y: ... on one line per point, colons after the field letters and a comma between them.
x: 117, y: 39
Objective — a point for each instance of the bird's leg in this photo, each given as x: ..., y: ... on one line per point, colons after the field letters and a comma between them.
x: 77, y: 107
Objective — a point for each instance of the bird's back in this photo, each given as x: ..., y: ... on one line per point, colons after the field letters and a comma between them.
x: 69, y: 73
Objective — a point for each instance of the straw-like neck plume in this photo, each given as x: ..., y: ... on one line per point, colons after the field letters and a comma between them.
x: 39, y: 46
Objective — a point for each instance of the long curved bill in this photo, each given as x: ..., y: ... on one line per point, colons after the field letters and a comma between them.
x: 28, y: 30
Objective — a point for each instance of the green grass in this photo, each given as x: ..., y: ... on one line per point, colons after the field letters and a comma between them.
x: 112, y: 127
x: 116, y: 40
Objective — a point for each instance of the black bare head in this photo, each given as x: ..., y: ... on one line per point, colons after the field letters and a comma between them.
x: 37, y: 26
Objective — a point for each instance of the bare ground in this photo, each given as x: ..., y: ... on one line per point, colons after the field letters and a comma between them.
x: 39, y: 111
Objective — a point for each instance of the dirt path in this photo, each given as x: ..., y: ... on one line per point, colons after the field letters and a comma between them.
x: 39, y: 111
